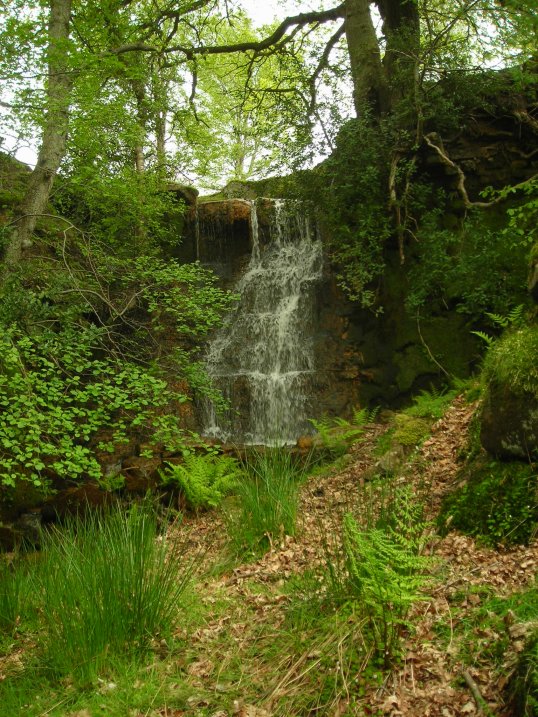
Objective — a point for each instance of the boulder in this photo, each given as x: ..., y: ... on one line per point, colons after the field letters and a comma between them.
x: 184, y: 192
x: 76, y: 500
x: 509, y: 423
x: 140, y: 473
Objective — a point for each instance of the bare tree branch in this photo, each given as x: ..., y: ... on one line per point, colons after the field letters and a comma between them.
x: 278, y: 36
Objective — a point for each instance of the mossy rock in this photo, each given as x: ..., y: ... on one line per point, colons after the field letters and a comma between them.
x: 523, y: 687
x: 512, y: 361
x: 509, y: 420
x: 448, y: 340
x: 13, y: 179
x: 495, y: 502
x: 509, y: 424
x: 19, y: 499
x: 410, y: 430
x: 411, y: 365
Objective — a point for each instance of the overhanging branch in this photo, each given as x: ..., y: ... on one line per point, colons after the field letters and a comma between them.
x: 279, y: 35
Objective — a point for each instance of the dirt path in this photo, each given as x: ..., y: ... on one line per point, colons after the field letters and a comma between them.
x: 248, y: 604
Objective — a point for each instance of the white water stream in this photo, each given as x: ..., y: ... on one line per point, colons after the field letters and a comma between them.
x: 263, y: 357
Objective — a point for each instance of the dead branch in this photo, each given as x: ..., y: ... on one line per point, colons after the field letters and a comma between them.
x: 471, y: 684
x: 430, y: 354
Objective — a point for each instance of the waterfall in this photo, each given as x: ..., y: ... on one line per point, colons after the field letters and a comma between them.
x: 262, y: 359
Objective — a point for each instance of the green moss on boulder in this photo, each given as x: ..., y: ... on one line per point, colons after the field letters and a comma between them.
x: 513, y: 362
x: 509, y: 420
x: 410, y: 430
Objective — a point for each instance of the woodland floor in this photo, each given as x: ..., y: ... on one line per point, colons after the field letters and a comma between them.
x: 432, y: 679
x: 242, y: 655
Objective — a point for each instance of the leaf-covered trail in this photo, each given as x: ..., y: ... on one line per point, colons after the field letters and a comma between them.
x: 239, y: 664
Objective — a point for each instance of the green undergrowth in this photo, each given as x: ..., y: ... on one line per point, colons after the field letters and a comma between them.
x: 299, y: 644
x: 411, y: 426
x: 433, y: 404
x: 523, y: 688
x: 126, y: 688
x: 501, y: 632
x: 329, y: 660
x: 343, y: 621
x: 102, y: 591
x: 203, y: 480
x: 335, y: 435
x: 108, y: 589
x: 496, y: 502
x: 15, y: 594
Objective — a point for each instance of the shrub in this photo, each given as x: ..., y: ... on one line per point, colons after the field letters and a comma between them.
x: 268, y: 497
x: 431, y: 404
x: 450, y: 259
x: 353, y: 201
x: 55, y: 397
x: 82, y: 354
x: 498, y: 503
x: 203, y: 479
x: 108, y: 588
x: 337, y: 434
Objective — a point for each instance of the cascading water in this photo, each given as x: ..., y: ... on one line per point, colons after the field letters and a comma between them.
x: 263, y: 357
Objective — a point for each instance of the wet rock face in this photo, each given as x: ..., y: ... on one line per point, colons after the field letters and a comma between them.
x: 509, y: 424
x: 222, y: 237
x: 359, y: 358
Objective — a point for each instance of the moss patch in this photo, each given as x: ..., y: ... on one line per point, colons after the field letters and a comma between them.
x: 496, y: 502
x: 512, y: 361
x: 410, y: 430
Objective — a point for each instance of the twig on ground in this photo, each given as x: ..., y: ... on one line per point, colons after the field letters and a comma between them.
x: 471, y: 684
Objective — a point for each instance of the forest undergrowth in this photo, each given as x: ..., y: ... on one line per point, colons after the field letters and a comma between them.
x: 299, y: 631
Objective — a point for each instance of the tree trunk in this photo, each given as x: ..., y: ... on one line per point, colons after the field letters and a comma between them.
x: 139, y: 90
x: 53, y: 143
x: 401, y: 27
x: 160, y: 88
x: 160, y: 142
x: 369, y: 84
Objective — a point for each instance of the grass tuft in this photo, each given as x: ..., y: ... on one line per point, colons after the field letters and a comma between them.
x: 108, y: 587
x: 15, y: 593
x: 268, y: 498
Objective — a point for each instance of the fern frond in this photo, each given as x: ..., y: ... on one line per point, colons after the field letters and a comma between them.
x: 485, y: 337
x: 386, y: 573
x: 497, y: 319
